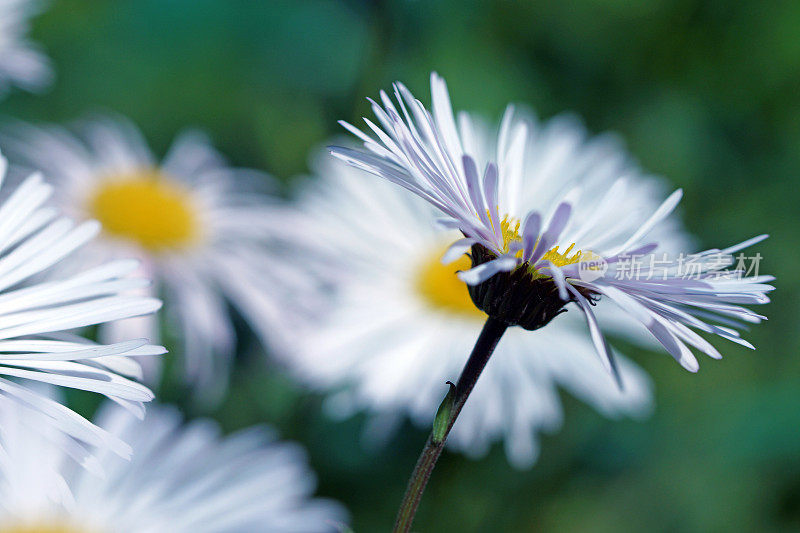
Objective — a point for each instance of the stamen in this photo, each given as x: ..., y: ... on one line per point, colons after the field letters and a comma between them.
x: 509, y: 229
x: 561, y: 259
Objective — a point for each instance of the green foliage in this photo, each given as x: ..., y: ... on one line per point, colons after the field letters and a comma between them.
x: 443, y: 415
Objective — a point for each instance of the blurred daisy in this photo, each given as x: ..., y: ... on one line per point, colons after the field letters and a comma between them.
x: 35, y: 314
x: 21, y: 62
x: 398, y: 322
x: 199, y: 228
x: 181, y: 478
x: 530, y: 259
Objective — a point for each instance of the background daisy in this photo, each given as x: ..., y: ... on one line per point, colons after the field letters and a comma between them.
x: 399, y: 323
x: 21, y: 62
x: 199, y: 227
x: 182, y: 478
x: 36, y: 315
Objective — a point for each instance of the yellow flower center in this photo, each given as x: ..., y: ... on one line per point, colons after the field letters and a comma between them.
x: 561, y: 259
x: 441, y: 289
x: 146, y: 207
x: 509, y: 227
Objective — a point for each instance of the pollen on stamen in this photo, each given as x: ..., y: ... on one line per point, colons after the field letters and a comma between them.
x: 509, y: 229
x: 561, y: 259
x: 510, y: 232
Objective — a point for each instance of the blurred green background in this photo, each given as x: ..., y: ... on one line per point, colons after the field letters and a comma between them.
x: 705, y: 93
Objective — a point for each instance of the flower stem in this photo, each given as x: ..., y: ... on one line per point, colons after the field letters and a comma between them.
x: 484, y: 347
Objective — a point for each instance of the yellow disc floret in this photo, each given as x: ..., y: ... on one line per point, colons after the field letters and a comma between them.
x: 147, y: 208
x: 564, y: 258
x: 560, y: 259
x: 509, y: 229
x: 440, y: 288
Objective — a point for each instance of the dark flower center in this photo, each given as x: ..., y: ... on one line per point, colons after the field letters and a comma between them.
x: 522, y: 297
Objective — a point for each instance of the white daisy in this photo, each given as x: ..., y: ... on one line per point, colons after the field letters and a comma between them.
x: 21, y: 62
x: 199, y: 228
x: 529, y: 260
x: 398, y: 322
x: 182, y: 478
x: 34, y: 316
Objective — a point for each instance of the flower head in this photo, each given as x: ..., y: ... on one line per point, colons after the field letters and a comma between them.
x: 393, y: 322
x: 527, y: 262
x: 200, y: 228
x: 182, y: 478
x: 21, y: 62
x: 36, y: 315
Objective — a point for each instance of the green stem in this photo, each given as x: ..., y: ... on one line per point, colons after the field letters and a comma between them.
x: 484, y: 347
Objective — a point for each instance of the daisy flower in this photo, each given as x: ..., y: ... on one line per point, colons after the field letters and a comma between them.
x: 398, y: 323
x: 182, y: 478
x: 529, y: 261
x: 526, y: 263
x: 35, y: 347
x: 21, y: 62
x: 198, y: 226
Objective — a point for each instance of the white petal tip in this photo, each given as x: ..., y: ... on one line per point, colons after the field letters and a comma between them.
x: 469, y: 277
x: 691, y: 366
